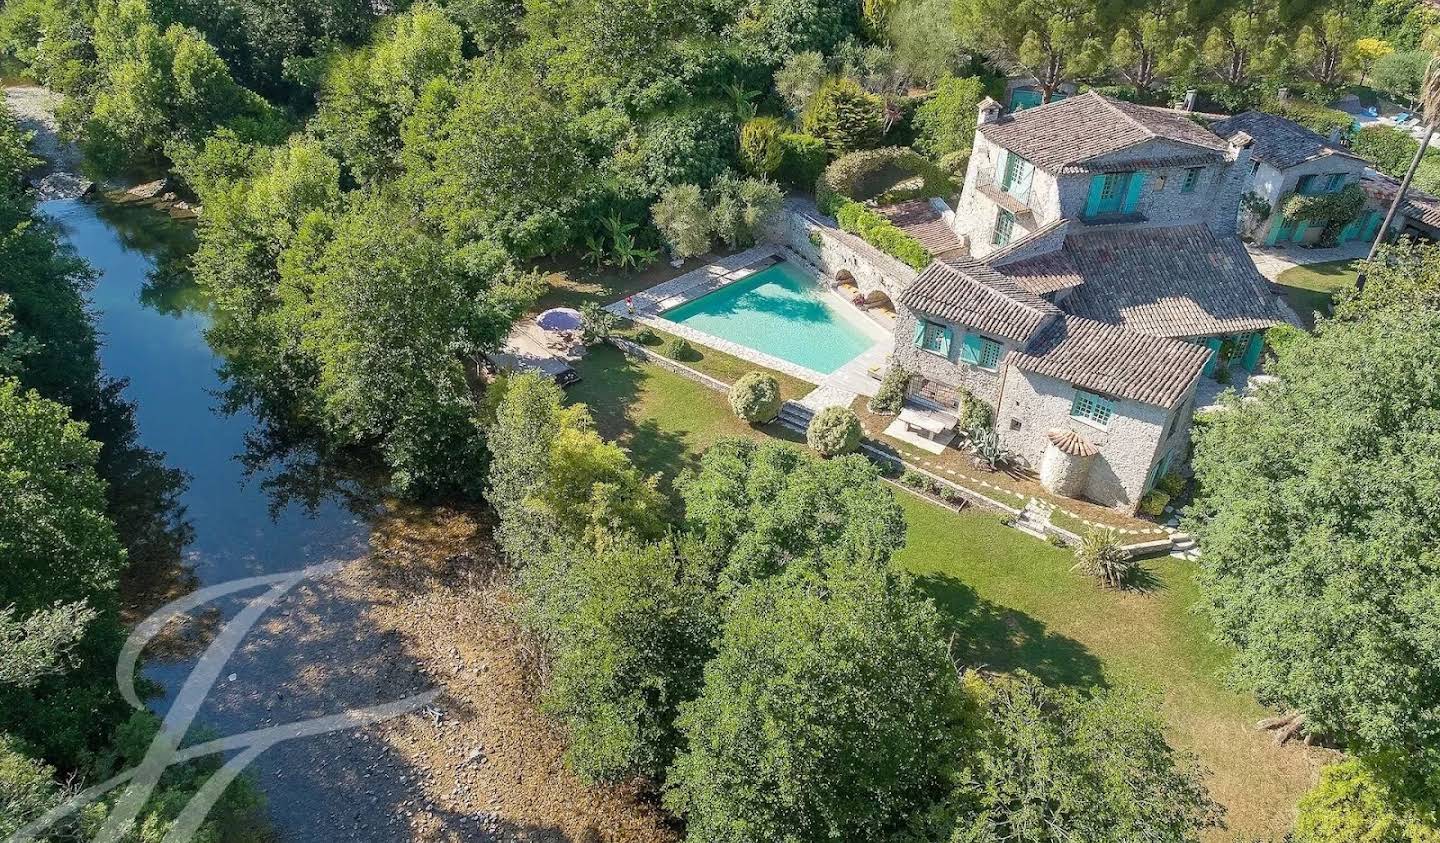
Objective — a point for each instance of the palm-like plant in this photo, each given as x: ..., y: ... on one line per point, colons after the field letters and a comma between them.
x: 1430, y: 107
x: 1101, y: 555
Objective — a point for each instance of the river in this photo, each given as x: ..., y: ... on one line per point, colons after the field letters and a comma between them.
x: 312, y: 655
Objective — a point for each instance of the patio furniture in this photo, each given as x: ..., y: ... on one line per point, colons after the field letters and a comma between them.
x: 929, y: 430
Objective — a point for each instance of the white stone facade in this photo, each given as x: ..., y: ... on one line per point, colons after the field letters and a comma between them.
x: 984, y: 384
x: 1131, y: 445
x: 1273, y: 185
x: 1213, y: 200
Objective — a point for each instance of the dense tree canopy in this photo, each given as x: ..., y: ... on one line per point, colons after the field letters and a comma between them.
x: 1317, y: 511
x: 830, y: 711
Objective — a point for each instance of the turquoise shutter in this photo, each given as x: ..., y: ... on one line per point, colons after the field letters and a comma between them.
x: 919, y: 332
x: 970, y: 351
x: 1213, y: 343
x: 1252, y: 351
x: 1097, y: 186
x: 1132, y: 196
x: 945, y: 336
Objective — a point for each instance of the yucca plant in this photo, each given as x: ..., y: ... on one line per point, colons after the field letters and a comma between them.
x: 1101, y: 555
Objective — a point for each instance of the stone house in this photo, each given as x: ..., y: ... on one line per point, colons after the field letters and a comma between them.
x: 1092, y: 160
x: 1104, y: 282
x: 1288, y: 159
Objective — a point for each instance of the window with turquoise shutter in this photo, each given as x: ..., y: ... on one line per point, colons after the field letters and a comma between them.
x: 1004, y: 228
x: 1017, y: 176
x: 989, y: 354
x: 1133, y: 186
x: 1092, y: 408
x: 1334, y: 182
x: 1305, y: 185
x: 1192, y: 178
x: 1108, y: 193
x: 933, y: 337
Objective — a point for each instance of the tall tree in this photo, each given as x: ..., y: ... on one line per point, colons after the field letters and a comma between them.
x: 1153, y: 44
x: 1246, y: 43
x: 830, y: 712
x: 1054, y: 42
x: 1051, y: 765
x: 1321, y: 564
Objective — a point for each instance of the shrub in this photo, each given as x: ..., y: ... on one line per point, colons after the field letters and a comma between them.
x: 975, y: 415
x: 1316, y: 118
x: 645, y: 336
x: 1369, y: 799
x: 1337, y: 210
x: 945, y: 123
x: 869, y: 173
x: 760, y: 150
x: 680, y: 349
x: 802, y: 160
x: 1154, y: 503
x: 845, y: 116
x: 891, y: 395
x: 1100, y: 555
x: 914, y: 479
x: 1389, y: 149
x: 756, y: 397
x: 1172, y: 484
x: 955, y: 163
x: 1281, y: 337
x: 834, y: 431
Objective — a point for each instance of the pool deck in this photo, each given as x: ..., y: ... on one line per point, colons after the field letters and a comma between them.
x: 850, y: 379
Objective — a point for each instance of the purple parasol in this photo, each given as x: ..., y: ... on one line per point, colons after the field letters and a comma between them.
x: 560, y: 319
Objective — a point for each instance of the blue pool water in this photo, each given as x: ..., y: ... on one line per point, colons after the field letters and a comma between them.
x: 781, y: 312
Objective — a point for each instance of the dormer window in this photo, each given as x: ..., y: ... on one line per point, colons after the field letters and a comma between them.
x: 1114, y: 193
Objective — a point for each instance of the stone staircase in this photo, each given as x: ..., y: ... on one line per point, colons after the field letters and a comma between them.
x: 1183, y: 545
x: 1034, y: 518
x: 796, y: 416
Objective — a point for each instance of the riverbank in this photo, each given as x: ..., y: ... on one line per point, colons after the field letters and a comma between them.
x: 489, y: 761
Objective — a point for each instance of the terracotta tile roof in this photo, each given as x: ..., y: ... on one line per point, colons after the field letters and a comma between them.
x: 1115, y: 362
x: 919, y: 219
x: 1279, y: 142
x: 1049, y: 273
x: 1068, y: 133
x: 1173, y: 281
x: 974, y: 295
x: 1419, y: 206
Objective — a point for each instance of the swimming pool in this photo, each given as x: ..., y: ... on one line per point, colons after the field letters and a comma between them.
x: 781, y: 312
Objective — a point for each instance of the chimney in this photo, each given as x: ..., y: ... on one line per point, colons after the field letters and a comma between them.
x: 1189, y: 103
x: 989, y: 111
x: 1233, y: 182
x: 1336, y: 134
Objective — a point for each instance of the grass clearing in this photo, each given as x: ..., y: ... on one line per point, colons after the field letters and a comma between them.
x: 1310, y: 289
x: 1014, y: 603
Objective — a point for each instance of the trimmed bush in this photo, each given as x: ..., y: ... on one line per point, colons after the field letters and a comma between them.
x: 760, y: 149
x: 802, y: 160
x: 1101, y: 556
x: 680, y: 349
x: 869, y: 173
x: 645, y: 336
x: 1316, y: 118
x: 834, y: 431
x: 1154, y: 503
x: 755, y: 398
x: 890, y: 397
x: 845, y: 116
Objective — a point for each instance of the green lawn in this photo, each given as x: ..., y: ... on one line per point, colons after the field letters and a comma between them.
x: 1309, y: 289
x: 1013, y: 601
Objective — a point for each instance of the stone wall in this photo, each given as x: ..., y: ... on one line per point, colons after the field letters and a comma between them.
x: 837, y: 251
x: 975, y: 213
x: 983, y: 384
x: 1129, y: 446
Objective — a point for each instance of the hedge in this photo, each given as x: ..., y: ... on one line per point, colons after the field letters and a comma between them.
x: 802, y: 159
x: 1390, y: 150
x: 1316, y: 118
x: 879, y: 232
x: 863, y: 175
